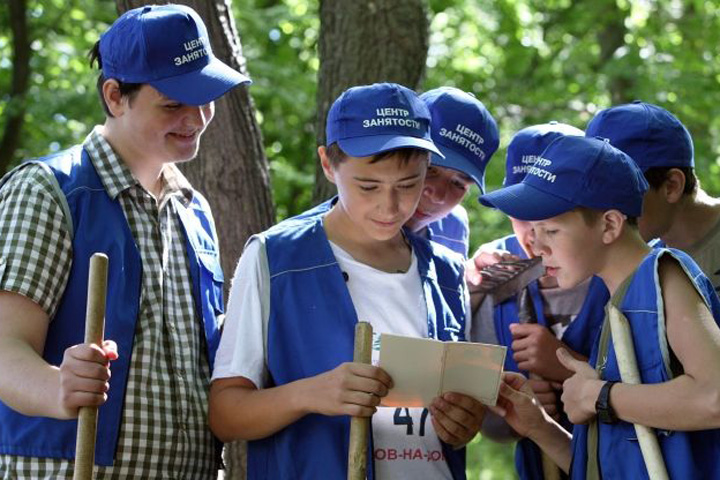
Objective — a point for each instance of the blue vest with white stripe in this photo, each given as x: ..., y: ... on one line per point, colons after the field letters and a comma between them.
x: 580, y: 336
x: 99, y: 225
x: 452, y: 231
x: 311, y: 330
x: 688, y: 455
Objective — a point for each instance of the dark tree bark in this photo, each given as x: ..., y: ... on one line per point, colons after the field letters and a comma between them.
x: 231, y: 170
x: 15, y: 113
x: 610, y: 38
x: 362, y: 43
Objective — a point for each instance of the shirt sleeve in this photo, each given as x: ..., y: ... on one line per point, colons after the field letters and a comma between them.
x: 35, y: 241
x: 482, y: 325
x: 243, y: 346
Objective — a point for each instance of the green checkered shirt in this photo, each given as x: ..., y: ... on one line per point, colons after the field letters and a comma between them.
x: 164, y: 431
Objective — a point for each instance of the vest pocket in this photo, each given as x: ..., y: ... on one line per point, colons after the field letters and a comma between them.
x: 210, y: 261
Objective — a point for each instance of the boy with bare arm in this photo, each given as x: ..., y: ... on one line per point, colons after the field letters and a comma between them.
x: 543, y: 316
x: 677, y: 212
x: 583, y: 198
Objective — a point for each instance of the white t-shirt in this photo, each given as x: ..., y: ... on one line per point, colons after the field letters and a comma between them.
x: 405, y: 443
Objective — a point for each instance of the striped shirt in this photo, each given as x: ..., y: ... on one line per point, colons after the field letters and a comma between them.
x: 164, y: 431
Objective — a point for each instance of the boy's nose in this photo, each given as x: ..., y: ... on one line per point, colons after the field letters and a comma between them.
x: 197, y: 116
x: 391, y: 203
x: 537, y: 246
x: 435, y: 191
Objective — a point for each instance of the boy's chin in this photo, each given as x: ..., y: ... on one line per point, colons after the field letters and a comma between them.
x: 566, y: 283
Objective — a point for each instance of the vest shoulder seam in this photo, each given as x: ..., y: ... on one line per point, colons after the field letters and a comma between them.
x: 296, y: 270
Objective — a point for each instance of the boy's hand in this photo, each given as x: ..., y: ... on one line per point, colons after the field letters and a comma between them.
x: 546, y: 394
x: 84, y: 376
x: 350, y: 389
x: 484, y: 257
x: 456, y: 417
x: 534, y: 348
x: 581, y: 390
x: 518, y: 406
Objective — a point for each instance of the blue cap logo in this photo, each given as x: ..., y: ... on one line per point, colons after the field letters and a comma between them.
x: 527, y: 145
x: 166, y: 46
x: 573, y: 172
x: 464, y: 131
x: 372, y: 119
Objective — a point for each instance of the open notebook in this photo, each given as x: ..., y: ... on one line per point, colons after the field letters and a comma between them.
x: 423, y: 368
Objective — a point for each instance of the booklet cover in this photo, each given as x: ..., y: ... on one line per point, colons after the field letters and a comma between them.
x: 424, y: 368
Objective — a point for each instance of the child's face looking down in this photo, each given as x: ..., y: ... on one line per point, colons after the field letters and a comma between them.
x: 444, y: 189
x: 569, y: 246
x: 379, y: 197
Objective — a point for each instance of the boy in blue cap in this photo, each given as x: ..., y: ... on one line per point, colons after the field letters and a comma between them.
x: 582, y: 197
x: 118, y: 193
x: 284, y: 377
x: 676, y: 210
x: 542, y: 317
x: 467, y: 135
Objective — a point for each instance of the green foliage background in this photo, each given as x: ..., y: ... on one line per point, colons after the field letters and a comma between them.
x: 529, y: 61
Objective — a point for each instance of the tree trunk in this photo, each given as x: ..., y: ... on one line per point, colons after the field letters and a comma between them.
x: 231, y: 169
x: 15, y: 113
x: 610, y: 38
x: 362, y: 43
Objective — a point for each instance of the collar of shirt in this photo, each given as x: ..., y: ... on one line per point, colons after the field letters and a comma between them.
x: 116, y: 177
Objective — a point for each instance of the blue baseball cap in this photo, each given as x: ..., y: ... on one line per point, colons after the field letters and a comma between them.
x: 463, y: 130
x: 166, y: 46
x: 574, y: 172
x: 651, y: 135
x: 528, y: 144
x: 371, y: 119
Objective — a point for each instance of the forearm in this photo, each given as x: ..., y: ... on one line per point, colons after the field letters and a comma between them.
x: 497, y: 429
x: 28, y: 384
x: 554, y: 440
x: 684, y: 403
x: 242, y: 412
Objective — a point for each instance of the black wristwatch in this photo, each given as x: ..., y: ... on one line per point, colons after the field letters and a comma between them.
x: 605, y: 412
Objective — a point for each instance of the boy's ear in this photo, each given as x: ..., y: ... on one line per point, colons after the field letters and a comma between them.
x: 325, y: 164
x: 613, y: 222
x: 113, y: 97
x: 673, y: 185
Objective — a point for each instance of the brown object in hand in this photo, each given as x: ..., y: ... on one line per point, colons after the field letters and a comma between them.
x: 502, y: 280
x: 360, y: 426
x: 94, y: 333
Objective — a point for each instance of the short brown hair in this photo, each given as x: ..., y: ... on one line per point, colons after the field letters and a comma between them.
x: 656, y: 176
x: 129, y: 90
x: 336, y: 155
x: 592, y: 215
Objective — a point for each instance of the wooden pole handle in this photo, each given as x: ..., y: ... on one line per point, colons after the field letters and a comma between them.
x: 360, y: 426
x: 94, y: 333
x: 627, y: 364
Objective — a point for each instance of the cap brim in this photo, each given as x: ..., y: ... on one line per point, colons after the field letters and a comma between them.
x: 525, y: 202
x: 458, y: 162
x: 374, y: 144
x: 201, y: 86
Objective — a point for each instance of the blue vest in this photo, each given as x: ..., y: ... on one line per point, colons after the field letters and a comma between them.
x: 580, y: 336
x: 452, y: 231
x: 688, y: 455
x: 311, y: 330
x: 99, y: 225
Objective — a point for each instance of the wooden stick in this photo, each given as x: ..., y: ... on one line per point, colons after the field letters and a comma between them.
x: 94, y: 333
x: 360, y: 426
x: 627, y: 363
x: 527, y: 314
